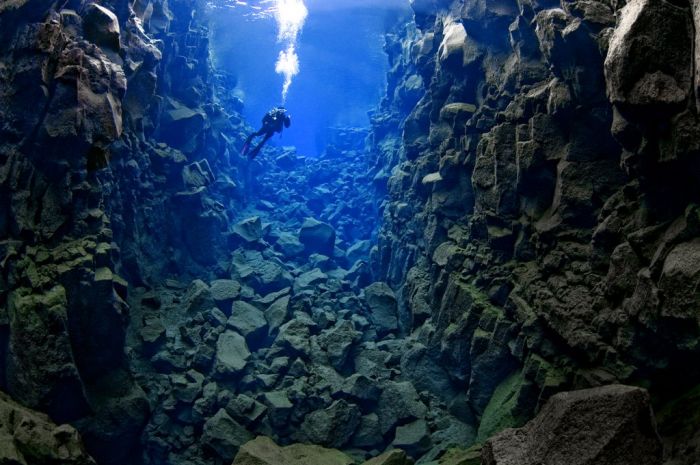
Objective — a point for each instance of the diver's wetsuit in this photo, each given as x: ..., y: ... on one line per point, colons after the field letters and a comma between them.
x: 273, y: 122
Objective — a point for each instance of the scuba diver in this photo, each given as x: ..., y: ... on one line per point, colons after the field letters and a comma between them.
x: 272, y: 122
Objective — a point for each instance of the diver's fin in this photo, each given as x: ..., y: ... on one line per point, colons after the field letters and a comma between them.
x: 246, y: 146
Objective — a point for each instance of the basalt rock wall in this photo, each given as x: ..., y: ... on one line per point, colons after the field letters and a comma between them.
x: 112, y: 160
x: 542, y: 226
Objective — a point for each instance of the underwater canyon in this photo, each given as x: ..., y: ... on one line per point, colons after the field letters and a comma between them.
x: 502, y: 267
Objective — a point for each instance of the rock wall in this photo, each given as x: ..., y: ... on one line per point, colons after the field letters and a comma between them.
x: 535, y: 165
x: 541, y: 228
x: 112, y: 158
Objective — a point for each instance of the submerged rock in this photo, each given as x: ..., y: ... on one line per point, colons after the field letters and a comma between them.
x: 611, y: 425
x: 263, y: 451
x: 333, y: 426
x: 317, y: 237
x: 224, y: 435
x: 231, y: 353
x: 28, y: 438
x: 383, y: 307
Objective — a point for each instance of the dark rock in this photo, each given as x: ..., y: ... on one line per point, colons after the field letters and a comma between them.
x: 249, y: 230
x: 607, y: 425
x: 317, y: 237
x: 333, y: 426
x: 224, y: 292
x: 289, y: 245
x: 198, y: 297
x: 101, y: 26
x: 263, y: 275
x: 28, y: 437
x: 231, y: 353
x: 414, y: 438
x: 360, y: 389
x: 277, y: 313
x: 264, y: 451
x: 224, y: 435
x: 383, y: 307
x: 338, y: 342
x: 250, y: 322
x: 368, y: 434
x: 398, y: 404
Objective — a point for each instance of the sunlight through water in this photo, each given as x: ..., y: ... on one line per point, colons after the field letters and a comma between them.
x: 290, y: 16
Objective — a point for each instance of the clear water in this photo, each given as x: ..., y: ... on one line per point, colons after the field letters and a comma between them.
x: 342, y: 65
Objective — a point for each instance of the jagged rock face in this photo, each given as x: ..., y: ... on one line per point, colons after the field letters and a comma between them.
x: 540, y: 229
x: 94, y: 198
x: 28, y: 437
x: 540, y: 232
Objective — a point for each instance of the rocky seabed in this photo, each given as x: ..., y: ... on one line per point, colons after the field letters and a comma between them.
x: 502, y: 270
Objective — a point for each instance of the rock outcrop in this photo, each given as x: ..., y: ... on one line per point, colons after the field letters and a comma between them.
x: 28, y: 437
x: 539, y: 230
x: 608, y: 425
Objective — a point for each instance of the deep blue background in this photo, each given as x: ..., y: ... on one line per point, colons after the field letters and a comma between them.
x: 342, y: 65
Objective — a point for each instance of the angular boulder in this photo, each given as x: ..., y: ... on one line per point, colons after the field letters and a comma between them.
x: 224, y: 292
x: 101, y: 26
x: 224, y: 435
x: 383, y: 307
x: 231, y: 353
x: 392, y: 457
x: 248, y: 321
x: 28, y: 437
x: 610, y: 425
x: 333, y: 426
x: 263, y: 451
x: 317, y: 237
x: 249, y: 230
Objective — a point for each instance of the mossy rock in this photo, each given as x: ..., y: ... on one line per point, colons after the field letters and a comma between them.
x: 456, y: 456
x: 263, y: 451
x: 505, y: 409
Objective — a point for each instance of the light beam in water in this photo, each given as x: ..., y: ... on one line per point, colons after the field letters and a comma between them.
x: 290, y: 16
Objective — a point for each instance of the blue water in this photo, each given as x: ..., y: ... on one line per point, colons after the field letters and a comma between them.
x: 342, y: 65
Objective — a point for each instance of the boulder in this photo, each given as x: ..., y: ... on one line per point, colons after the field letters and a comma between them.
x: 231, y: 353
x: 277, y: 313
x: 399, y: 404
x: 263, y: 451
x: 294, y: 337
x: 333, y: 426
x: 248, y: 321
x: 198, y: 297
x: 224, y: 292
x: 101, y: 26
x: 414, y: 438
x: 249, y: 230
x: 338, y: 342
x: 289, y: 245
x: 263, y: 275
x: 224, y: 435
x: 383, y: 307
x: 317, y: 237
x: 279, y: 407
x: 310, y: 280
x: 368, y: 434
x: 658, y: 73
x: 610, y: 425
x: 360, y: 389
x: 392, y: 457
x: 186, y: 388
x: 197, y: 175
x: 28, y: 437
